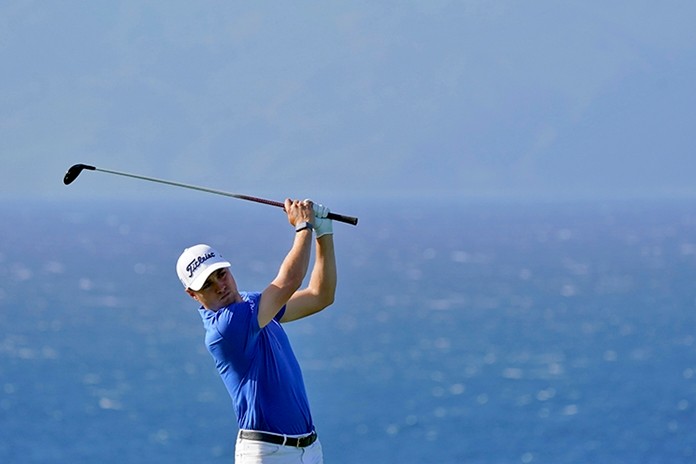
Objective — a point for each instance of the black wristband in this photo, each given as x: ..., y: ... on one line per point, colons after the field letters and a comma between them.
x: 304, y: 225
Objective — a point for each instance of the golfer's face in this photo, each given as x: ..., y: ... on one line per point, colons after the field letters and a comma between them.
x: 219, y: 290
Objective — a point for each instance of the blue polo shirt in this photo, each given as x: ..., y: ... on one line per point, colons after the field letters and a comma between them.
x: 258, y: 368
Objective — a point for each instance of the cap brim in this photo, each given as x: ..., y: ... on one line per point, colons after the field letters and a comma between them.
x: 198, y: 282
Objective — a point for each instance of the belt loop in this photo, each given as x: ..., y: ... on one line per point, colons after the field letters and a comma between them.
x: 285, y: 439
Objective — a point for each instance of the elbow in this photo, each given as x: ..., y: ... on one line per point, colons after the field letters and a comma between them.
x: 326, y: 302
x: 327, y: 298
x: 321, y: 299
x: 287, y: 285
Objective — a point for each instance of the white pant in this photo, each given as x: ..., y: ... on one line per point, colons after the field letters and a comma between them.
x: 258, y: 452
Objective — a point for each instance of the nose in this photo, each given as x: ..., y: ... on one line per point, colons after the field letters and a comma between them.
x: 220, y: 286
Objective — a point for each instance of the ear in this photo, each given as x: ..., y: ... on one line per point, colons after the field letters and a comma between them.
x: 192, y: 294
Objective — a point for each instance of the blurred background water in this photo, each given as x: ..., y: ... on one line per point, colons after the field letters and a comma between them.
x: 465, y: 332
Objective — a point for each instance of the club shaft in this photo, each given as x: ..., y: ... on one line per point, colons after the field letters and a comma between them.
x: 333, y: 216
x: 188, y: 186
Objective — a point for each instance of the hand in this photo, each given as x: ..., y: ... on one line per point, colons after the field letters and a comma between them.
x: 322, y: 225
x: 320, y: 211
x: 299, y: 211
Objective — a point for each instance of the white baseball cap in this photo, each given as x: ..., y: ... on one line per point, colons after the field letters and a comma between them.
x: 197, y: 263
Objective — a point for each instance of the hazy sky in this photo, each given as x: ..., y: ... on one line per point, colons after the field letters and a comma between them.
x: 549, y: 99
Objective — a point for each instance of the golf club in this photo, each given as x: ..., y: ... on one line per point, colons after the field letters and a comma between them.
x: 76, y: 169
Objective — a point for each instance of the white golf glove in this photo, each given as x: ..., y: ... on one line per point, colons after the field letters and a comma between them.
x: 320, y: 211
x: 322, y: 225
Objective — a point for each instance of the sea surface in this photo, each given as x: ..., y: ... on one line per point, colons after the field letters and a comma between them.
x: 463, y: 331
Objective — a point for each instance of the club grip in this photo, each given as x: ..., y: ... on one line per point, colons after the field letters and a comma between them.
x: 341, y: 218
x: 333, y: 216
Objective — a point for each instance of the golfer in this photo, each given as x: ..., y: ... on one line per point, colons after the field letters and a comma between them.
x: 252, y: 353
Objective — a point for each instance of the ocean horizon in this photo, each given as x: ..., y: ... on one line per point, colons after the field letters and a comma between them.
x: 462, y: 332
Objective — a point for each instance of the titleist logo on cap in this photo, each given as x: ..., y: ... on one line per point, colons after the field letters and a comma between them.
x: 196, y: 263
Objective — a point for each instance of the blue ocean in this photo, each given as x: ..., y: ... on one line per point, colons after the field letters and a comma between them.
x: 463, y: 331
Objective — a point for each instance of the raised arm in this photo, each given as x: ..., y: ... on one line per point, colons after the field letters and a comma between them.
x: 322, y: 284
x: 294, y: 267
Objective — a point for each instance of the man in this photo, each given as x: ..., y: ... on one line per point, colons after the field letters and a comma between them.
x: 251, y: 350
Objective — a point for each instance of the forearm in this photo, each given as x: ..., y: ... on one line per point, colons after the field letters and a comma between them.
x: 322, y: 284
x: 294, y: 267
x: 324, y: 275
x: 290, y: 276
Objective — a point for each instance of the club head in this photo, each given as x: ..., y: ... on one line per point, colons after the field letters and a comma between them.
x: 75, y: 171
